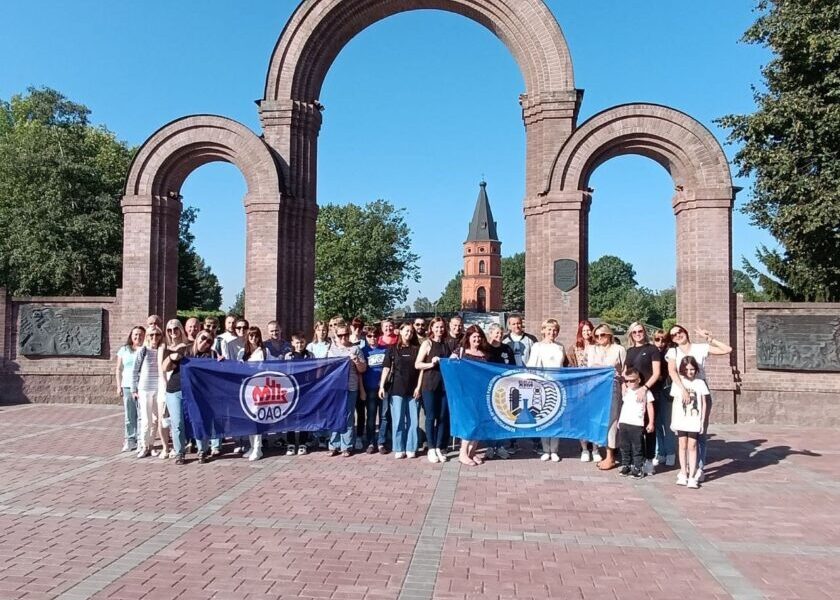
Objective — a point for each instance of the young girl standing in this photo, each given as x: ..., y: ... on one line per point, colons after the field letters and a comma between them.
x: 547, y: 353
x: 687, y: 418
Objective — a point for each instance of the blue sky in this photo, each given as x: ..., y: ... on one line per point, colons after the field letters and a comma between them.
x: 419, y: 108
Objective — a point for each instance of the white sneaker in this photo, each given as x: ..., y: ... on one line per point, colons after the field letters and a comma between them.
x: 432, y: 456
x: 290, y: 450
x: 410, y: 454
x: 143, y: 453
x: 670, y: 460
x: 255, y: 454
x: 441, y: 456
x: 126, y: 447
x: 555, y: 457
x: 585, y: 456
x: 596, y: 454
x: 502, y: 453
x: 164, y: 453
x: 545, y: 456
x: 302, y: 450
x: 489, y: 453
x: 172, y: 453
x: 399, y: 454
x: 692, y: 483
x: 682, y: 479
x: 647, y: 468
x: 238, y: 450
x: 699, y: 475
x: 658, y: 460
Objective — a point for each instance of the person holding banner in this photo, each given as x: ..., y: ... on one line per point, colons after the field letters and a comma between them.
x: 435, y: 403
x: 548, y: 354
x: 474, y: 346
x: 299, y: 352
x: 577, y: 358
x: 176, y: 346
x: 399, y: 369
x: 344, y: 348
x: 607, y: 353
x: 502, y: 354
x: 253, y: 351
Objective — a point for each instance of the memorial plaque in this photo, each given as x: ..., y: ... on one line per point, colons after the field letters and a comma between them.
x: 798, y: 342
x: 51, y: 331
x: 565, y: 274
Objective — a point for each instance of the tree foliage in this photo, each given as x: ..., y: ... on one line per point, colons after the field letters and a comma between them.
x: 238, y: 306
x: 743, y: 284
x: 423, y: 305
x: 198, y: 286
x: 60, y: 183
x: 363, y: 260
x: 450, y: 299
x: 790, y: 144
x: 513, y: 282
x: 610, y: 278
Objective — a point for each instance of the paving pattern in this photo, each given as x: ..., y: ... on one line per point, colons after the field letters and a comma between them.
x: 79, y: 519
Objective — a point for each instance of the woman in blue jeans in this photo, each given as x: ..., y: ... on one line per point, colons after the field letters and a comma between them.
x: 435, y: 404
x: 399, y: 368
x: 176, y: 347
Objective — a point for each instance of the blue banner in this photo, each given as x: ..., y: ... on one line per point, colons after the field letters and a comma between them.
x: 231, y: 398
x: 497, y: 402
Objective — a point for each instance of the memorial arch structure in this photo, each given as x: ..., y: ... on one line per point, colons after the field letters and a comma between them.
x: 280, y: 170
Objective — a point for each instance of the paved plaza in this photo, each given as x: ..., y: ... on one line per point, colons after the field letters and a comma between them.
x: 79, y: 520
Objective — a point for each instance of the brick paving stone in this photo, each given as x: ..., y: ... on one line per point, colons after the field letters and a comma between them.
x: 791, y: 577
x: 56, y: 415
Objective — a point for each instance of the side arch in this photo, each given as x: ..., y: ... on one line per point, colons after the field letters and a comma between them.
x: 319, y: 29
x: 166, y: 159
x: 682, y: 145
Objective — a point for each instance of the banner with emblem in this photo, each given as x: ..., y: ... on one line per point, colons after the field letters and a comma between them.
x: 231, y: 398
x: 497, y: 402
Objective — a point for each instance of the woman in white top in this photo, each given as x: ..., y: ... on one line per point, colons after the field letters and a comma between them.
x: 254, y: 351
x: 605, y: 352
x: 681, y: 347
x: 125, y: 378
x: 548, y: 354
x: 145, y: 385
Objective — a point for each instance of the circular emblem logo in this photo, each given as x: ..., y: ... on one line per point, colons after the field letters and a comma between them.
x: 269, y: 397
x: 520, y: 400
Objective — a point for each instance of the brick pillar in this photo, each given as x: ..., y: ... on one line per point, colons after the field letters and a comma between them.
x: 5, y: 328
x: 555, y: 228
x: 150, y: 257
x: 291, y: 129
x: 704, y: 282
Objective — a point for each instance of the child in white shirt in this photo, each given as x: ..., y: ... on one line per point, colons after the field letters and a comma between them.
x: 687, y: 419
x: 631, y: 425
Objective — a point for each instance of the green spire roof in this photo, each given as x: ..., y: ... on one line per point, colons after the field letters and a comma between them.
x: 482, y: 226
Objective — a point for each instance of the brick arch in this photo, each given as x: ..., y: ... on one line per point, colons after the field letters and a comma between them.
x: 167, y: 158
x: 319, y: 29
x: 682, y: 145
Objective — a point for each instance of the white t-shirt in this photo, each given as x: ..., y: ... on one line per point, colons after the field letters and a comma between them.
x: 699, y: 351
x: 546, y: 354
x: 689, y: 417
x: 319, y: 349
x: 633, y: 411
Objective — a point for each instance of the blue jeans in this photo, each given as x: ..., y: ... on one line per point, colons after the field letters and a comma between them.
x: 344, y: 439
x: 130, y: 408
x: 406, y: 414
x: 176, y: 422
x: 374, y: 403
x: 436, y: 408
x: 665, y: 438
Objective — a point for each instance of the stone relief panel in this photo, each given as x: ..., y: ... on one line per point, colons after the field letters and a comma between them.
x: 51, y: 331
x: 798, y: 342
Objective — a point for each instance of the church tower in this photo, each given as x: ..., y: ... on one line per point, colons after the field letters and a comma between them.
x: 481, y: 285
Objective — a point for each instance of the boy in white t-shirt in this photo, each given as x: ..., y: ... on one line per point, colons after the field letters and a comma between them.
x: 631, y: 425
x: 687, y: 418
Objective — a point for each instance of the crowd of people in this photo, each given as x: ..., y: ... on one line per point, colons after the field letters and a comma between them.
x: 659, y: 410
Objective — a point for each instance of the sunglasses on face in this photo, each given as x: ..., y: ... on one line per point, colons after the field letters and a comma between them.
x: 676, y: 333
x: 240, y: 327
x: 171, y: 331
x: 154, y: 335
x: 602, y: 335
x: 341, y: 335
x: 639, y: 332
x: 632, y: 380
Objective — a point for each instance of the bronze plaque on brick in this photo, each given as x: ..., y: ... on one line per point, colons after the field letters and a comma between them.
x: 565, y: 274
x: 798, y: 342
x: 51, y: 331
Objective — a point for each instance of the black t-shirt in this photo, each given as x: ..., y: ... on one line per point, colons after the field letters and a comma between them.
x: 452, y: 343
x: 431, y: 377
x: 174, y: 383
x: 401, y: 359
x: 641, y: 358
x: 501, y: 354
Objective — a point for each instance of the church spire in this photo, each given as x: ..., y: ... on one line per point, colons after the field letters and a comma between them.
x: 482, y: 226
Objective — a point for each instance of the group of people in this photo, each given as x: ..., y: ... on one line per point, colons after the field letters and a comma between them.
x: 660, y: 405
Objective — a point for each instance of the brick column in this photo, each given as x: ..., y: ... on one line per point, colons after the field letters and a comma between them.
x: 704, y: 281
x: 150, y: 257
x: 555, y: 228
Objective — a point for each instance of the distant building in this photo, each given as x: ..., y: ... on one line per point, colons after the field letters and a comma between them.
x: 481, y: 285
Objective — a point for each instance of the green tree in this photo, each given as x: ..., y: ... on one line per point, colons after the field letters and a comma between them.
x: 790, y: 144
x: 609, y: 280
x: 198, y: 287
x: 634, y: 304
x: 238, y: 306
x: 363, y: 260
x: 743, y: 284
x: 60, y: 183
x: 513, y: 282
x: 423, y: 304
x: 666, y: 306
x: 450, y: 299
